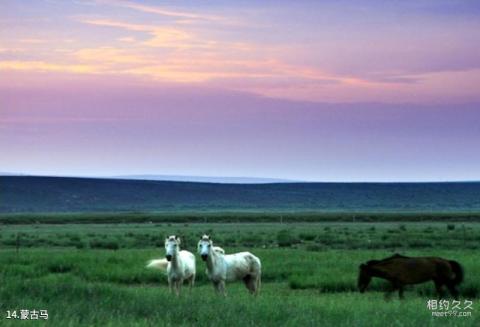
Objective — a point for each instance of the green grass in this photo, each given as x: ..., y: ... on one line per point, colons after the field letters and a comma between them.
x: 310, y: 281
x: 392, y: 236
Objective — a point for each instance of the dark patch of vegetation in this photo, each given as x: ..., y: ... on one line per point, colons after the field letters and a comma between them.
x: 228, y: 217
x: 286, y: 238
x: 104, y: 244
x: 307, y: 236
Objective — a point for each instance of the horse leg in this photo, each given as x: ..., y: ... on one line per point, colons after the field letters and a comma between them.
x: 398, y: 286
x: 393, y: 288
x: 219, y: 287
x: 400, y: 292
x: 175, y: 287
x: 439, y: 288
x: 192, y: 281
x: 253, y: 285
x: 222, y: 288
x: 453, y: 290
x: 179, y: 286
x: 248, y: 283
x: 189, y: 282
x: 216, y: 287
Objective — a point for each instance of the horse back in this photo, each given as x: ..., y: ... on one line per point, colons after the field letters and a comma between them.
x: 413, y: 270
x: 242, y: 264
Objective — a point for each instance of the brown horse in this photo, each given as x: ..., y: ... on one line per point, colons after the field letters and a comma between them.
x: 401, y: 271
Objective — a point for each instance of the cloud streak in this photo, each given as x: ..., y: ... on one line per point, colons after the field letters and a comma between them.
x: 40, y: 66
x: 166, y: 12
x: 314, y: 52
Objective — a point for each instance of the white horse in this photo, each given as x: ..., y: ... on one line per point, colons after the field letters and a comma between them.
x: 223, y: 267
x: 180, y: 265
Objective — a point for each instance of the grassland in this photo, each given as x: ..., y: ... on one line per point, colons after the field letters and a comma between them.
x: 94, y: 275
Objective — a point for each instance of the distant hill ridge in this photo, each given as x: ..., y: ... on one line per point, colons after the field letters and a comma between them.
x: 205, y: 179
x: 69, y: 194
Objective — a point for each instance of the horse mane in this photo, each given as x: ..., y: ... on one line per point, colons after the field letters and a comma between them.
x: 395, y: 256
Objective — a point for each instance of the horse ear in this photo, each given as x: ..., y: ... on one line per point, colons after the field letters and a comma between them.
x: 178, y: 240
x: 362, y: 266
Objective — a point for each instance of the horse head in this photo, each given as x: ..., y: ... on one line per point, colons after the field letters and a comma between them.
x: 204, y: 247
x: 364, y: 277
x: 172, y: 245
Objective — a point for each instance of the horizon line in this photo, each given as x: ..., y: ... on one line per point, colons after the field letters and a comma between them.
x: 274, y: 180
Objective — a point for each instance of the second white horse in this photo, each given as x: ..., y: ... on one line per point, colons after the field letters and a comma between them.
x: 230, y: 267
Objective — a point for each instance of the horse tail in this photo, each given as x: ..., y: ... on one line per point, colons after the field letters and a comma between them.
x: 160, y: 264
x: 258, y: 268
x: 458, y: 271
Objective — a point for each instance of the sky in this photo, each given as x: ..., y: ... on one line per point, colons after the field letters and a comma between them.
x: 301, y: 90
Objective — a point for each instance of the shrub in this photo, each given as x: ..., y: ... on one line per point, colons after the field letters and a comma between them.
x: 419, y: 244
x: 285, y: 238
x: 9, y: 242
x: 101, y: 244
x: 450, y: 226
x: 251, y: 240
x: 393, y: 244
x: 315, y: 247
x: 80, y: 245
x: 229, y: 240
x: 60, y: 267
x: 300, y: 282
x: 73, y: 237
x: 307, y: 236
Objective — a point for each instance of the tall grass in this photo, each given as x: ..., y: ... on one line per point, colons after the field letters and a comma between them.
x: 112, y: 288
x: 311, y: 281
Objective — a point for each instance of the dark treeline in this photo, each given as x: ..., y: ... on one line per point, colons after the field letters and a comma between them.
x: 231, y: 217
